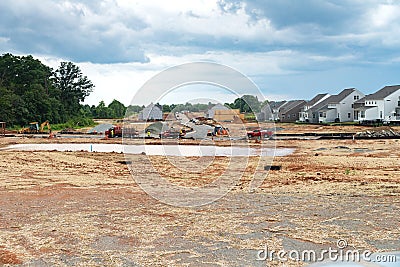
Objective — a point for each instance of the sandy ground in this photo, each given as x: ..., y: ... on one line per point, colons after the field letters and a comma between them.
x: 85, y: 209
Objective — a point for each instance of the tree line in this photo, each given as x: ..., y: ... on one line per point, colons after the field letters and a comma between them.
x: 31, y: 91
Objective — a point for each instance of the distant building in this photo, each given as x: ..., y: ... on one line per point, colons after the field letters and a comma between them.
x: 336, y: 108
x: 289, y: 112
x: 305, y: 115
x: 211, y: 112
x: 151, y: 112
x: 270, y: 112
x: 383, y: 105
x: 228, y: 115
x: 220, y: 112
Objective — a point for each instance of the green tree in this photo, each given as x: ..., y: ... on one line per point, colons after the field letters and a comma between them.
x: 27, y: 87
x: 74, y: 87
x: 166, y: 108
x: 247, y: 104
x: 102, y: 110
x: 133, y: 109
x: 116, y: 109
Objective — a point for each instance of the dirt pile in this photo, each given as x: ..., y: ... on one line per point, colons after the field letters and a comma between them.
x: 387, y: 132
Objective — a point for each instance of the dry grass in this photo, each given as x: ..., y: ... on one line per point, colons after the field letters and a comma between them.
x: 85, y: 209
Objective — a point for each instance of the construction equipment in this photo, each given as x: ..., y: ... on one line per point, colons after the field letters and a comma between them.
x: 33, y: 128
x: 218, y: 131
x: 119, y: 131
x: 44, y: 124
x: 115, y: 131
x: 3, y: 128
x: 259, y: 133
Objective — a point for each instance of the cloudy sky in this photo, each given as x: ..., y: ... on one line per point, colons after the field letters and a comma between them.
x: 289, y: 48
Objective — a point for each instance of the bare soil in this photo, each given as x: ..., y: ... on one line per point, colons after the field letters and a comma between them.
x: 85, y: 209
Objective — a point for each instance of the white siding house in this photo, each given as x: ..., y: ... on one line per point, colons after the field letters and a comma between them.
x: 340, y: 108
x: 384, y: 105
x: 270, y: 112
x: 305, y: 114
x: 336, y: 108
x: 151, y: 112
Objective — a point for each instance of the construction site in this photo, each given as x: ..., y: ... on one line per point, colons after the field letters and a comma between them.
x: 72, y: 198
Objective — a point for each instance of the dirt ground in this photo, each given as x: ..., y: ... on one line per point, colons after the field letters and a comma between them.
x: 86, y: 209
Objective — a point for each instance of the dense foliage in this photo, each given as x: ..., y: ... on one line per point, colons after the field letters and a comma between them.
x: 31, y: 91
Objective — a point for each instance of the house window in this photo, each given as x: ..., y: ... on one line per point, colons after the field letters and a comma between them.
x: 356, y: 97
x: 313, y: 115
x: 338, y: 115
x: 321, y: 115
x: 324, y: 114
x: 362, y: 115
x: 352, y: 105
x: 349, y: 115
x: 381, y: 114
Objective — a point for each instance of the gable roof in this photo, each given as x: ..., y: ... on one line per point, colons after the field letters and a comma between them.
x: 219, y: 106
x: 290, y: 105
x: 152, y: 106
x: 298, y: 104
x: 322, y: 103
x: 273, y: 105
x: 333, y: 99
x: 383, y: 93
x: 342, y: 95
x: 316, y: 99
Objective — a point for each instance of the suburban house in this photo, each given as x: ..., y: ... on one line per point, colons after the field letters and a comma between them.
x: 220, y: 112
x: 211, y: 112
x: 289, y: 112
x: 151, y: 112
x: 305, y: 115
x: 384, y: 105
x: 270, y: 112
x: 336, y: 108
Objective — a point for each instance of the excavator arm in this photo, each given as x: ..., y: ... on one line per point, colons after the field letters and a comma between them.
x: 44, y: 124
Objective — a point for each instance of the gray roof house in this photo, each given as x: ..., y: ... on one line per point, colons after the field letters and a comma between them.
x: 150, y: 113
x: 336, y: 108
x: 305, y: 115
x: 270, y: 112
x: 384, y: 105
x: 289, y: 112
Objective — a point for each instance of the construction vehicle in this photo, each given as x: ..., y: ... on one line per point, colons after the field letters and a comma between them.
x: 44, y: 124
x: 170, y: 134
x: 115, y: 131
x: 34, y: 128
x: 218, y: 131
x: 258, y: 133
x: 118, y: 131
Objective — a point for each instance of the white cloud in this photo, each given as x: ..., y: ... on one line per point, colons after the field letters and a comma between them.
x: 119, y: 44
